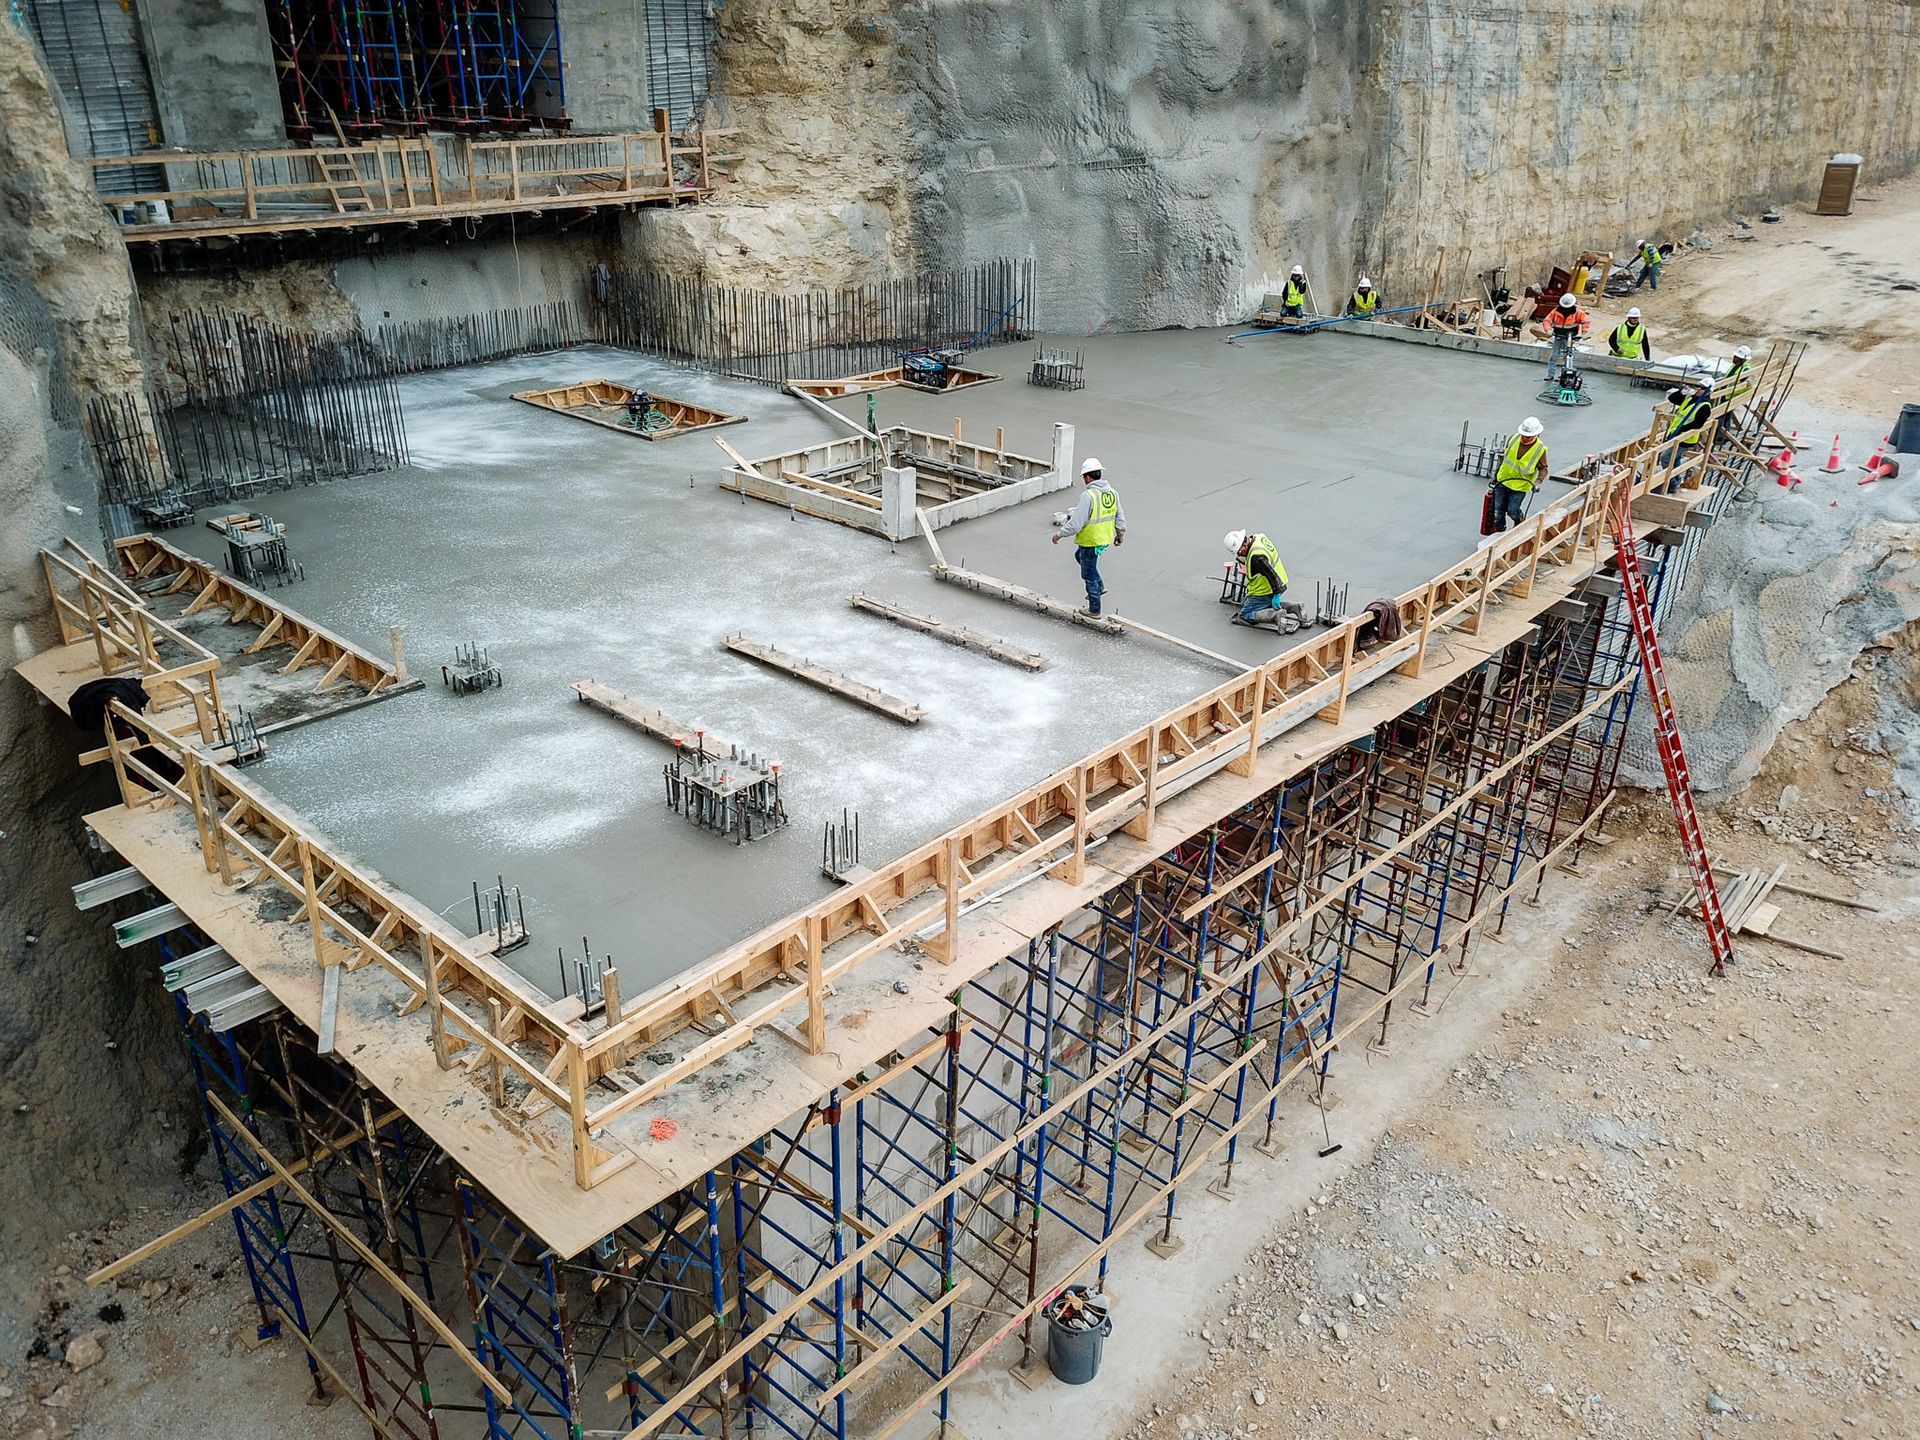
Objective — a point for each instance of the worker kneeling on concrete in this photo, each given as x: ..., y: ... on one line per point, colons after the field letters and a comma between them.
x: 1522, y: 467
x: 1259, y: 557
x: 1096, y: 522
x: 1364, y: 300
x: 1293, y: 299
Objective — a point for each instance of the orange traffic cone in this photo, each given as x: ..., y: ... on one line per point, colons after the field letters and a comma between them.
x: 1833, y: 465
x: 1874, y: 464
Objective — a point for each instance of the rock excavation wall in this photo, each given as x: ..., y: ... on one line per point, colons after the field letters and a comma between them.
x: 91, y: 1080
x: 1785, y: 598
x: 1165, y: 163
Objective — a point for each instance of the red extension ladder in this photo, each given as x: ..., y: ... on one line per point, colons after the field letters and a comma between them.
x: 1666, y: 729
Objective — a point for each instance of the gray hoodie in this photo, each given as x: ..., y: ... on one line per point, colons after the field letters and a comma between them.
x: 1082, y: 512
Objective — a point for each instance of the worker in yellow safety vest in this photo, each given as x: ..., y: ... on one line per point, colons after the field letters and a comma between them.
x: 1293, y: 300
x: 1650, y: 258
x: 1629, y: 338
x: 1741, y: 373
x: 1266, y: 582
x: 1522, y: 466
x: 1687, y: 426
x: 1364, y: 300
x: 1094, y: 523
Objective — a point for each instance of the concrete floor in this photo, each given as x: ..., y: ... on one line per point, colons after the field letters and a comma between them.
x: 571, y: 551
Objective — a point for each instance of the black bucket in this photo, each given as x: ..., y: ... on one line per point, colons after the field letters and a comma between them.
x: 1906, y: 431
x: 1073, y: 1345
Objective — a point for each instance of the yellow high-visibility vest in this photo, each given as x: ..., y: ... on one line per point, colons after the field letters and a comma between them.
x: 1296, y: 293
x: 1682, y: 413
x: 1364, y: 300
x: 1633, y: 339
x: 1257, y: 585
x: 1522, y: 472
x: 1097, y: 533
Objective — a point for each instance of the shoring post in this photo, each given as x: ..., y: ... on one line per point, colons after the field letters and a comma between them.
x: 838, y: 1231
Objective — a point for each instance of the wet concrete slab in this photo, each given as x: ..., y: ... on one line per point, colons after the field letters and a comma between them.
x: 571, y: 551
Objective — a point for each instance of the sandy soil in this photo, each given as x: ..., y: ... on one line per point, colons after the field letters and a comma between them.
x: 1832, y: 281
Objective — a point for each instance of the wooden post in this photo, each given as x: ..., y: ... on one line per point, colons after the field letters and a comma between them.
x: 473, y: 179
x: 399, y: 643
x: 246, y: 181
x: 950, y: 948
x: 1244, y: 765
x: 513, y: 172
x: 1413, y: 666
x: 222, y: 861
x: 1141, y: 824
x: 1077, y: 866
x: 577, y: 1104
x: 626, y: 164
x: 192, y: 784
x: 610, y: 993
x: 1337, y: 711
x: 436, y: 1017
x: 322, y: 952
x: 816, y: 986
x: 497, y: 1074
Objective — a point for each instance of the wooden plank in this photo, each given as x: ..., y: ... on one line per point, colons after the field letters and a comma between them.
x: 1032, y: 600
x: 831, y: 681
x: 649, y: 722
x: 953, y: 634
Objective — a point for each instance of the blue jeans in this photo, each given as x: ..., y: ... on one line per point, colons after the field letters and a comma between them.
x: 1257, y: 606
x: 1509, y: 507
x: 1089, y: 558
x: 1649, y: 276
x: 1557, y: 356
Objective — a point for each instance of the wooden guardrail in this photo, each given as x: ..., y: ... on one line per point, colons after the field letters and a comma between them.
x: 473, y: 998
x: 147, y: 556
x: 91, y: 603
x: 240, y: 192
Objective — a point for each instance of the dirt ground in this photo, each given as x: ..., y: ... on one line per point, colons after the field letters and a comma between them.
x: 1848, y: 285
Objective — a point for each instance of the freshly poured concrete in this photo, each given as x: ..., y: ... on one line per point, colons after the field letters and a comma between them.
x: 570, y: 551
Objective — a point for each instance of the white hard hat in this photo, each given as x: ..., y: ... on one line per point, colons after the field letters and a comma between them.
x: 1567, y: 302
x: 1634, y: 313
x: 1234, y: 539
x: 1298, y: 271
x: 1743, y: 353
x: 1365, y: 284
x: 1090, y: 466
x: 1531, y: 425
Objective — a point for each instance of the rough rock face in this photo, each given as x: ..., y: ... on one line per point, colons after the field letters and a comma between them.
x: 1775, y: 615
x: 1164, y: 163
x: 86, y: 1059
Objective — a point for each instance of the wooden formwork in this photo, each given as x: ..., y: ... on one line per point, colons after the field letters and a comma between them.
x: 604, y: 402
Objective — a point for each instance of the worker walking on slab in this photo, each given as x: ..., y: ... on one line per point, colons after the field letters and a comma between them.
x: 1364, y: 300
x: 1650, y: 259
x: 1523, y: 466
x: 1565, y: 323
x: 1629, y: 338
x: 1096, y: 522
x: 1266, y: 582
x: 1293, y: 299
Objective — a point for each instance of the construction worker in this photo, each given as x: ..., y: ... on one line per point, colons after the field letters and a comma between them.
x: 1364, y: 300
x: 1522, y: 467
x: 1293, y: 300
x: 1094, y: 523
x: 1692, y: 408
x: 1650, y: 258
x: 1742, y: 373
x: 1565, y: 323
x: 1266, y: 581
x: 1629, y: 338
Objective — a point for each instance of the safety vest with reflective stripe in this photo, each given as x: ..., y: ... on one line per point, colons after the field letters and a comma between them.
x: 1364, y: 300
x: 1632, y: 340
x: 1257, y: 585
x: 1650, y: 254
x: 1682, y: 413
x: 1296, y: 292
x: 1097, y: 533
x: 1522, y: 472
x: 1742, y: 374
